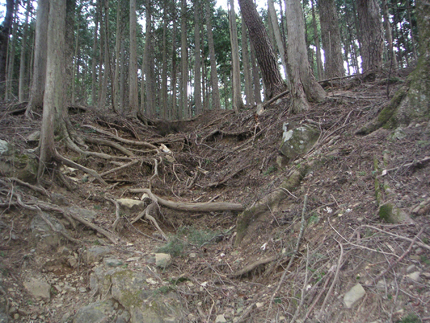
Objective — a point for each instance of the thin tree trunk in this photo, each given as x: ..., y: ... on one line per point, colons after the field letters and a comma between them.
x: 133, y: 91
x: 278, y: 37
x: 106, y: 58
x: 118, y: 36
x: 249, y: 94
x: 320, y: 74
x: 237, y: 87
x: 255, y: 76
x: 388, y: 36
x: 4, y: 39
x: 94, y: 59
x: 216, y: 104
x: 184, y: 61
x: 197, y: 63
x: 23, y: 82
x: 164, y: 103
x: 69, y: 49
x: 11, y: 56
x: 39, y: 74
x: 174, y: 112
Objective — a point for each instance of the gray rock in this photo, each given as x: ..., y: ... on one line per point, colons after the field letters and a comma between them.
x: 298, y: 141
x: 96, y: 253
x: 415, y: 276
x: 81, y: 212
x: 95, y: 312
x: 112, y: 262
x: 163, y: 260
x: 4, y: 147
x: 353, y: 295
x: 392, y: 214
x: 220, y: 319
x: 4, y: 318
x: 34, y: 136
x: 42, y: 233
x: 38, y: 288
x: 123, y: 317
x: 131, y: 205
x: 411, y: 269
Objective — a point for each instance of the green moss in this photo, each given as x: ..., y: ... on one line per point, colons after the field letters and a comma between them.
x: 386, y: 212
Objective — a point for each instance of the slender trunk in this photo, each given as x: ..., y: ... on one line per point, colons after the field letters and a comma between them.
x: 317, y: 43
x: 184, y: 61
x: 214, y: 77
x: 278, y: 37
x: 69, y: 49
x: 255, y: 76
x: 122, y: 77
x: 237, y: 87
x: 174, y: 112
x: 11, y: 55
x: 106, y: 58
x: 133, y: 91
x: 23, y: 82
x: 392, y: 61
x: 197, y: 63
x: 118, y: 36
x: 164, y: 102
x: 4, y: 39
x: 39, y: 75
x: 94, y: 59
x: 246, y: 66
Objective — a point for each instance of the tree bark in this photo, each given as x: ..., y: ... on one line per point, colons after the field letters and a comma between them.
x: 392, y: 60
x: 4, y: 38
x: 249, y: 94
x: 118, y: 36
x: 53, y: 110
x: 216, y: 104
x: 23, y: 83
x: 304, y: 87
x: 164, y: 98
x: 255, y: 76
x: 40, y: 57
x: 371, y: 34
x: 330, y: 33
x: 94, y: 60
x: 237, y: 87
x: 184, y: 61
x: 272, y: 79
x: 320, y: 74
x: 197, y: 62
x: 133, y: 90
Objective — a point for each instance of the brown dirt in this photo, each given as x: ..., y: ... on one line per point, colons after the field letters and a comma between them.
x: 236, y: 155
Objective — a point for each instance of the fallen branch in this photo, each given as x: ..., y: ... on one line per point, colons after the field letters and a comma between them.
x: 191, y: 207
x: 230, y: 176
x: 275, y: 98
x: 252, y: 266
x: 119, y: 168
x: 414, y: 163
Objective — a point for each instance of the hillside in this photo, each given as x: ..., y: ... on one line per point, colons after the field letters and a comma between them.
x: 253, y: 236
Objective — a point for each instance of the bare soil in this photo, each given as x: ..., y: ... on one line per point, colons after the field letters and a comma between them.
x: 221, y: 156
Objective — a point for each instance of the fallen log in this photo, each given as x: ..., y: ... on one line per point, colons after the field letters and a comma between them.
x: 192, y: 207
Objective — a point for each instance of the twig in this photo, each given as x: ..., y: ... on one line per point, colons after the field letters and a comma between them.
x: 336, y: 275
x: 302, y: 229
x: 302, y: 297
x: 401, y: 257
x: 119, y: 168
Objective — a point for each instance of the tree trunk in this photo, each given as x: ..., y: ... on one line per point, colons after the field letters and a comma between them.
x: 94, y: 60
x: 278, y: 38
x: 39, y: 74
x: 249, y: 94
x: 164, y: 98
x: 197, y: 63
x: 23, y: 82
x: 53, y: 110
x: 391, y: 57
x: 118, y: 38
x: 320, y: 74
x: 255, y: 76
x: 237, y: 87
x: 272, y: 79
x: 184, y: 61
x: 330, y: 33
x: 304, y: 88
x: 411, y: 101
x: 371, y: 30
x: 4, y: 38
x: 216, y: 104
x: 133, y: 90
x: 106, y: 58
x: 11, y: 55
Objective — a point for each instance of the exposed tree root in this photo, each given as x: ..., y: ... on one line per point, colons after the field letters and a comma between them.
x: 126, y: 141
x: 252, y: 266
x: 38, y: 189
x: 134, y: 162
x: 111, y: 144
x: 80, y: 167
x: 192, y: 207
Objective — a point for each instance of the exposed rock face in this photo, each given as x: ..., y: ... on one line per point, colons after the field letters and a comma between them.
x: 42, y: 233
x: 354, y: 295
x: 96, y: 253
x: 132, y: 291
x: 163, y: 260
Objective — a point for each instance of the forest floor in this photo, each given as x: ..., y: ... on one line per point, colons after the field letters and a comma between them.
x: 222, y: 156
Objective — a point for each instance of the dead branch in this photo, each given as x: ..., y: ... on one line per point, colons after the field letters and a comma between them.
x: 252, y: 266
x: 126, y: 141
x: 414, y: 163
x: 117, y: 214
x: 112, y: 144
x: 82, y: 168
x: 119, y: 168
x: 230, y: 176
x: 302, y: 297
x: 191, y: 207
x: 275, y: 98
x: 154, y: 222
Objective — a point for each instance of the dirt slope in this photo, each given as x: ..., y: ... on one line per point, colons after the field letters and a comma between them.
x: 225, y: 157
